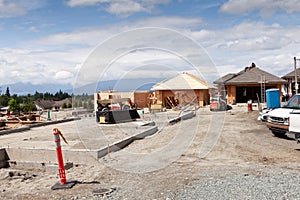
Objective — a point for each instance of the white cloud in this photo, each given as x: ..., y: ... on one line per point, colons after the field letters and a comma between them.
x: 271, y: 47
x: 96, y: 35
x: 10, y: 9
x: 247, y: 37
x: 45, y: 57
x: 265, y: 7
x: 63, y: 75
x: 170, y: 22
x: 58, y: 57
x: 121, y: 7
x: 14, y: 8
x: 125, y: 8
x: 73, y: 3
x: 36, y: 67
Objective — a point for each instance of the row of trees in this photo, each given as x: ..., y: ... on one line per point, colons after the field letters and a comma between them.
x: 15, y: 106
x: 25, y: 103
x: 29, y: 98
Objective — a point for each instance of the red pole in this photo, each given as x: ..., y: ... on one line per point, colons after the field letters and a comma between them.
x: 61, y: 167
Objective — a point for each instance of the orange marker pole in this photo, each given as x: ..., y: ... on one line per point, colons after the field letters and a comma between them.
x: 61, y: 167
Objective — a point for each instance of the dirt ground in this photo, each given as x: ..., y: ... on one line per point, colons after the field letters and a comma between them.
x: 159, y: 165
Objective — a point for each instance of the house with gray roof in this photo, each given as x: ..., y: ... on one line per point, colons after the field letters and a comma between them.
x: 248, y: 84
x: 51, y: 104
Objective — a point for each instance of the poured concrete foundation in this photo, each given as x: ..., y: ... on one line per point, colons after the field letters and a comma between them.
x: 87, y: 142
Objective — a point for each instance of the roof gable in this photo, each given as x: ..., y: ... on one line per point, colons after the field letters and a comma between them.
x: 183, y: 81
x: 292, y: 74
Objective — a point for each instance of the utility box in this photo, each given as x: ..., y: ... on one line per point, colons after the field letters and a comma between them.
x: 273, y: 98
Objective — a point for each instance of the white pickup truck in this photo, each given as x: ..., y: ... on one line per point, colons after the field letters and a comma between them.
x: 294, y: 127
x: 278, y: 119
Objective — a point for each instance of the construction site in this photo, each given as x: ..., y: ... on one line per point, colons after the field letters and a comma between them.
x: 150, y: 145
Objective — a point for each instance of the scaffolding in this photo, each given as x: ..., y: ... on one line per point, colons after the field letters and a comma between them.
x: 263, y: 89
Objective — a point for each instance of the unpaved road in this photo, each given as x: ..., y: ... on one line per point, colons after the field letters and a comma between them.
x: 244, y: 147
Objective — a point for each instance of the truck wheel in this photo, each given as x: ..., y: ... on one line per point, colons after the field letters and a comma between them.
x: 279, y: 134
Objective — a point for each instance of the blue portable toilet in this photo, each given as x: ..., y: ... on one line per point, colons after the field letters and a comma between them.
x: 273, y: 98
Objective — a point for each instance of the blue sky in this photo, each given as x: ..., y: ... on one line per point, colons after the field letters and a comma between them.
x: 46, y: 41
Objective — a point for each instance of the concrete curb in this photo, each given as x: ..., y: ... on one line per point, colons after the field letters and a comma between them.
x: 125, y: 142
x: 28, y: 127
x: 15, y: 130
x: 3, y: 158
x: 185, y: 116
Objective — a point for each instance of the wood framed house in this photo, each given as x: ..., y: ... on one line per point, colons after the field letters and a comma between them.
x: 181, y: 90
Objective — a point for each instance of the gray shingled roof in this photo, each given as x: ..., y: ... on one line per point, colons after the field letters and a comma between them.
x: 44, y: 104
x: 292, y: 74
x: 250, y: 76
x: 224, y: 78
x: 49, y: 104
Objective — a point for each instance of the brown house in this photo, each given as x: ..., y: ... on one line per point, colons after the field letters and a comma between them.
x: 182, y: 90
x: 248, y: 84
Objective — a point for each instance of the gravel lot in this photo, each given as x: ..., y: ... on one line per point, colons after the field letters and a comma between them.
x: 242, y: 161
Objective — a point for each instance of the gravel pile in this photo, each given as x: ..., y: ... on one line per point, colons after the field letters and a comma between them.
x: 274, y: 184
x: 268, y: 183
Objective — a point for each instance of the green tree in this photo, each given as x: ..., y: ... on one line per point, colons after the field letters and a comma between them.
x: 13, y: 105
x: 7, y: 93
x: 64, y: 105
x: 75, y: 104
x: 69, y: 105
x: 89, y: 104
x: 85, y: 105
x: 29, y: 107
x: 4, y: 100
x: 80, y: 104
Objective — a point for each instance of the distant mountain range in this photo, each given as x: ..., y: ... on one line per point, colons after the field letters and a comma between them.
x: 124, y: 85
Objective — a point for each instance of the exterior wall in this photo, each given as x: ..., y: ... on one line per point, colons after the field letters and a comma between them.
x: 232, y: 93
x: 142, y: 99
x: 158, y: 97
x: 183, y: 96
x: 96, y: 97
x: 278, y: 86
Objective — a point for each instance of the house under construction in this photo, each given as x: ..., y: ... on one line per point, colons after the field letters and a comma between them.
x: 181, y: 90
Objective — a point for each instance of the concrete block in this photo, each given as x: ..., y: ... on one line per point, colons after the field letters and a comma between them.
x: 14, y: 130
x: 3, y: 159
x: 145, y: 133
x: 175, y: 120
x: 3, y: 164
x: 3, y: 155
x: 125, y: 142
x: 184, y: 116
x: 187, y: 115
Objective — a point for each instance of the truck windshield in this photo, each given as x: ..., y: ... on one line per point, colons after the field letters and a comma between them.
x: 294, y: 102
